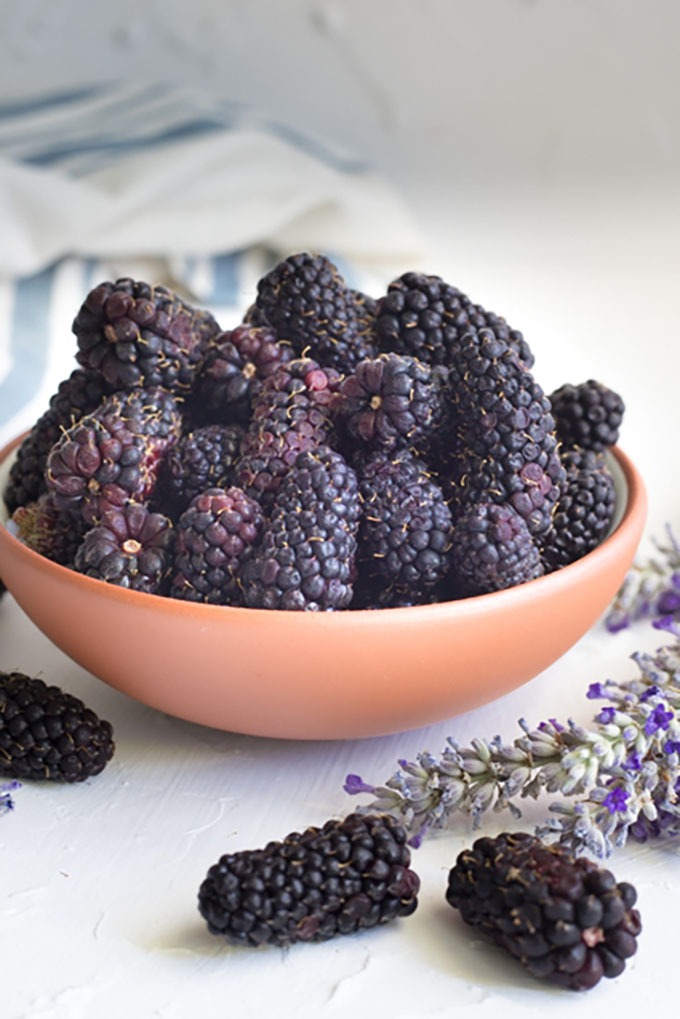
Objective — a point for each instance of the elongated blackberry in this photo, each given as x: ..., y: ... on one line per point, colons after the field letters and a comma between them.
x: 50, y: 531
x: 587, y: 415
x: 310, y: 306
x: 349, y: 875
x: 391, y: 402
x: 131, y: 547
x: 427, y: 318
x: 585, y: 508
x: 562, y: 917
x: 46, y: 733
x: 139, y: 336
x: 201, y: 459
x: 505, y: 448
x: 306, y: 559
x: 77, y: 395
x: 405, y: 531
x: 113, y: 454
x: 492, y: 549
x: 216, y: 536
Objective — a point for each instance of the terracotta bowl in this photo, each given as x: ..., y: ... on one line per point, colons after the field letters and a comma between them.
x: 332, y: 675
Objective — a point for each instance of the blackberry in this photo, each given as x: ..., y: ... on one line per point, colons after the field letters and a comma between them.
x: 131, y: 547
x: 310, y: 306
x: 349, y: 875
x: 113, y: 454
x: 291, y: 415
x: 427, y: 318
x: 306, y: 560
x: 46, y: 733
x: 405, y: 530
x: 585, y: 508
x: 201, y: 459
x: 492, y: 549
x: 587, y: 415
x: 565, y: 919
x: 51, y: 532
x: 232, y: 371
x: 77, y: 395
x: 390, y: 402
x: 216, y: 535
x: 3, y: 589
x: 504, y: 448
x: 140, y: 336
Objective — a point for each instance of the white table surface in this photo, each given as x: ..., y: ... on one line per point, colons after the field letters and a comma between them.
x: 98, y: 881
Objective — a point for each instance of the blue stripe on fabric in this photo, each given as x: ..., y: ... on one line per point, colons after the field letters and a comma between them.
x: 226, y: 279
x: 35, y: 104
x: 29, y: 344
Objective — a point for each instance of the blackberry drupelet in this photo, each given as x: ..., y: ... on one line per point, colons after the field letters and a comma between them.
x: 349, y: 875
x: 405, y: 531
x: 306, y: 559
x: 492, y: 549
x: 50, y: 531
x: 585, y: 508
x: 425, y: 317
x: 391, y: 402
x: 588, y: 415
x: 216, y: 536
x: 565, y: 919
x: 77, y: 395
x: 309, y: 305
x: 504, y: 448
x: 139, y: 336
x: 201, y: 459
x: 113, y: 454
x: 131, y: 547
x: 46, y: 733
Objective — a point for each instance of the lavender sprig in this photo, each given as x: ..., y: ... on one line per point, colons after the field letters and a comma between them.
x: 6, y: 798
x: 651, y: 587
x: 623, y: 773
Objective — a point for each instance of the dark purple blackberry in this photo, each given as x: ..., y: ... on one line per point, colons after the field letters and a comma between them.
x: 566, y: 920
x: 504, y: 445
x: 201, y: 459
x: 131, y: 547
x: 113, y: 455
x: 587, y: 415
x: 349, y: 875
x: 216, y: 536
x: 391, y: 402
x: 77, y: 395
x: 51, y: 532
x: 291, y: 415
x: 585, y: 508
x: 139, y: 336
x: 48, y: 734
x: 309, y: 305
x: 492, y: 549
x: 232, y: 371
x: 405, y: 530
x: 425, y: 317
x: 306, y: 560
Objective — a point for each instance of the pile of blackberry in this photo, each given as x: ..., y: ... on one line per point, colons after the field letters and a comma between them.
x: 332, y: 450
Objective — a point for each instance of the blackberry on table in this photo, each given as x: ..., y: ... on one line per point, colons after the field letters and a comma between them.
x: 585, y: 508
x: 348, y: 875
x: 216, y: 536
x: 50, y: 531
x: 306, y: 559
x: 139, y: 336
x: 492, y: 549
x: 426, y: 317
x: 131, y: 547
x: 309, y: 305
x: 566, y: 920
x: 201, y: 459
x: 46, y: 733
x: 587, y: 415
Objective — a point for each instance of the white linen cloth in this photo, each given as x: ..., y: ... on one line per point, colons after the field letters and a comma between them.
x: 169, y: 186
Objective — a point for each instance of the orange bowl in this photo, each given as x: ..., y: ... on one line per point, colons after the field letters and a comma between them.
x: 322, y: 675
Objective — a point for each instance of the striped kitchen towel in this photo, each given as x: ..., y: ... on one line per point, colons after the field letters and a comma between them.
x: 170, y: 186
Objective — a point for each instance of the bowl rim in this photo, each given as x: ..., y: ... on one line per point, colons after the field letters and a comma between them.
x: 635, y: 504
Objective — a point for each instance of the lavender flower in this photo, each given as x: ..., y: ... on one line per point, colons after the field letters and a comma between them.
x: 651, y: 588
x: 621, y: 777
x: 6, y: 799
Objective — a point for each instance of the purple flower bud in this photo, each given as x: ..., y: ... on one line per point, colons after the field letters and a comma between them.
x: 658, y: 719
x: 354, y: 784
x: 616, y: 800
